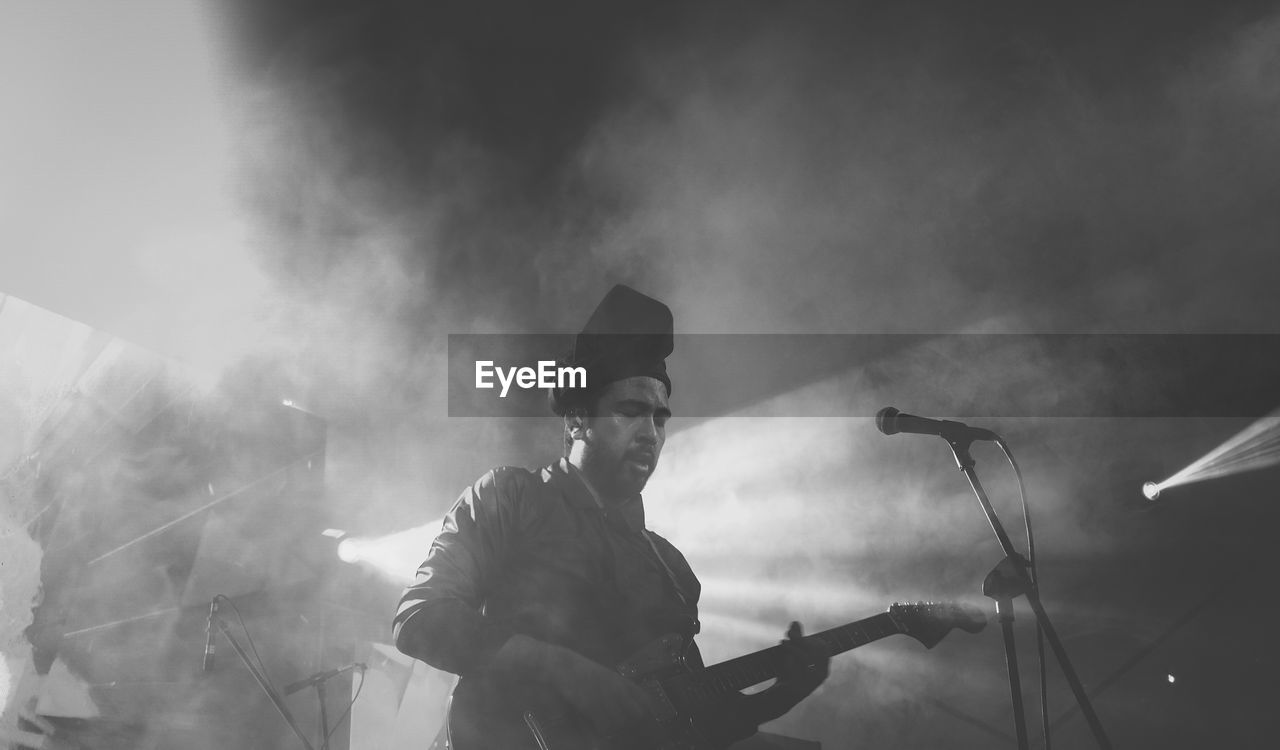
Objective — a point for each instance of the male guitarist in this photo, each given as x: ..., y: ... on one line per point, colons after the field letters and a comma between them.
x: 547, y: 580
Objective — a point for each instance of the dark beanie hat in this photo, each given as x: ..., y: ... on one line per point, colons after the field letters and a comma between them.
x: 629, y: 334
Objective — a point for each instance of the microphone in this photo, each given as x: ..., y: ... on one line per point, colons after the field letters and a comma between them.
x: 890, y: 421
x: 320, y: 677
x: 207, y: 665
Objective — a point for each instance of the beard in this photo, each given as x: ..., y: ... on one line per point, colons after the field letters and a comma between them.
x: 620, y: 475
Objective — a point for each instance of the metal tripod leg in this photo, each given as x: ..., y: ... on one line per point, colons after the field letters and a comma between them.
x: 1004, y: 612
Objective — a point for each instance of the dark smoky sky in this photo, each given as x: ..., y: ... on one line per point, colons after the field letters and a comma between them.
x: 801, y: 166
x: 415, y: 169
x: 405, y: 170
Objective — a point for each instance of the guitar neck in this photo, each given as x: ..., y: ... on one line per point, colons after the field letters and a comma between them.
x: 752, y: 669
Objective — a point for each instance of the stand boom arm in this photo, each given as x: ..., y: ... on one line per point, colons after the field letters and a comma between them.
x: 264, y: 684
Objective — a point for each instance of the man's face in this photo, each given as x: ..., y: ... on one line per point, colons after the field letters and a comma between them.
x: 624, y: 438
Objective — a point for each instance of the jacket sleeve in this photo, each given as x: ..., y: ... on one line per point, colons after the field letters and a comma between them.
x: 439, y: 619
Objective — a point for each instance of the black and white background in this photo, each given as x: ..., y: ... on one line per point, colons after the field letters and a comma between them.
x: 300, y: 200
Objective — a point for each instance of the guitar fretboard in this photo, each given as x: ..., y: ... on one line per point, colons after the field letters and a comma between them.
x: 744, y: 671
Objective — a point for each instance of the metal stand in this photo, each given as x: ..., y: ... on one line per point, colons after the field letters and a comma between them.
x: 1002, y: 587
x: 263, y: 683
x: 324, y: 717
x: 319, y: 679
x: 1011, y: 578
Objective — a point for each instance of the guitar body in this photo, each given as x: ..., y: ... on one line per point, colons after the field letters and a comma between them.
x: 489, y: 714
x: 486, y: 713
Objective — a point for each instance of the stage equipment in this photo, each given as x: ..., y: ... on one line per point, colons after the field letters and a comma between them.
x: 261, y: 677
x: 392, y: 557
x: 318, y: 680
x: 1012, y: 577
x: 155, y: 491
x: 890, y: 421
x: 207, y: 664
x: 322, y: 677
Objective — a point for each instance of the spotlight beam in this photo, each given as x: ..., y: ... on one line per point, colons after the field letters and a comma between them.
x: 1255, y: 447
x: 165, y: 526
x: 114, y: 623
x: 393, y: 556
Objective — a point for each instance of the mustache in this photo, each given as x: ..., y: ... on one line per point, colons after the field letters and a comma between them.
x: 646, y: 455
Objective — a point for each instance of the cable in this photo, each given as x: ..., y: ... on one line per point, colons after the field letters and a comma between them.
x: 1031, y: 570
x: 344, y: 715
x: 261, y: 666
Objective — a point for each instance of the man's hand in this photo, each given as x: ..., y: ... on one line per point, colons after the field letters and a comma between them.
x: 805, y: 665
x: 606, y: 698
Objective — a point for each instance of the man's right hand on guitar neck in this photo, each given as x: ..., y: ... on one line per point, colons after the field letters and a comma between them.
x: 606, y: 698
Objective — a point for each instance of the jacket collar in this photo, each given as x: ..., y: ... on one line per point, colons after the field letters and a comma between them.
x: 575, y: 488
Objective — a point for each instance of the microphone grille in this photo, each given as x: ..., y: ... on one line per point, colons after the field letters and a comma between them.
x: 887, y: 420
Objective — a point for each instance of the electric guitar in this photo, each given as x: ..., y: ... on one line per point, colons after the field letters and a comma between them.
x: 487, y: 715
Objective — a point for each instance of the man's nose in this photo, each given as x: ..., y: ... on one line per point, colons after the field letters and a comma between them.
x: 648, y: 431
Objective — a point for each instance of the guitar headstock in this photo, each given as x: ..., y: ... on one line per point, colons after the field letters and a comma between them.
x: 929, y: 622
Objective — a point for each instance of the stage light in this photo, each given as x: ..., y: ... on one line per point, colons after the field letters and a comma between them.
x: 1151, y: 490
x: 395, y: 556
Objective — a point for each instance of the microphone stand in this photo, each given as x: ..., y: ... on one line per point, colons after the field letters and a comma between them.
x: 263, y: 683
x: 1011, y: 578
x: 318, y: 680
x: 324, y: 715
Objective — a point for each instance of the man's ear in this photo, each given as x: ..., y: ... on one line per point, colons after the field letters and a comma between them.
x: 576, y: 423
